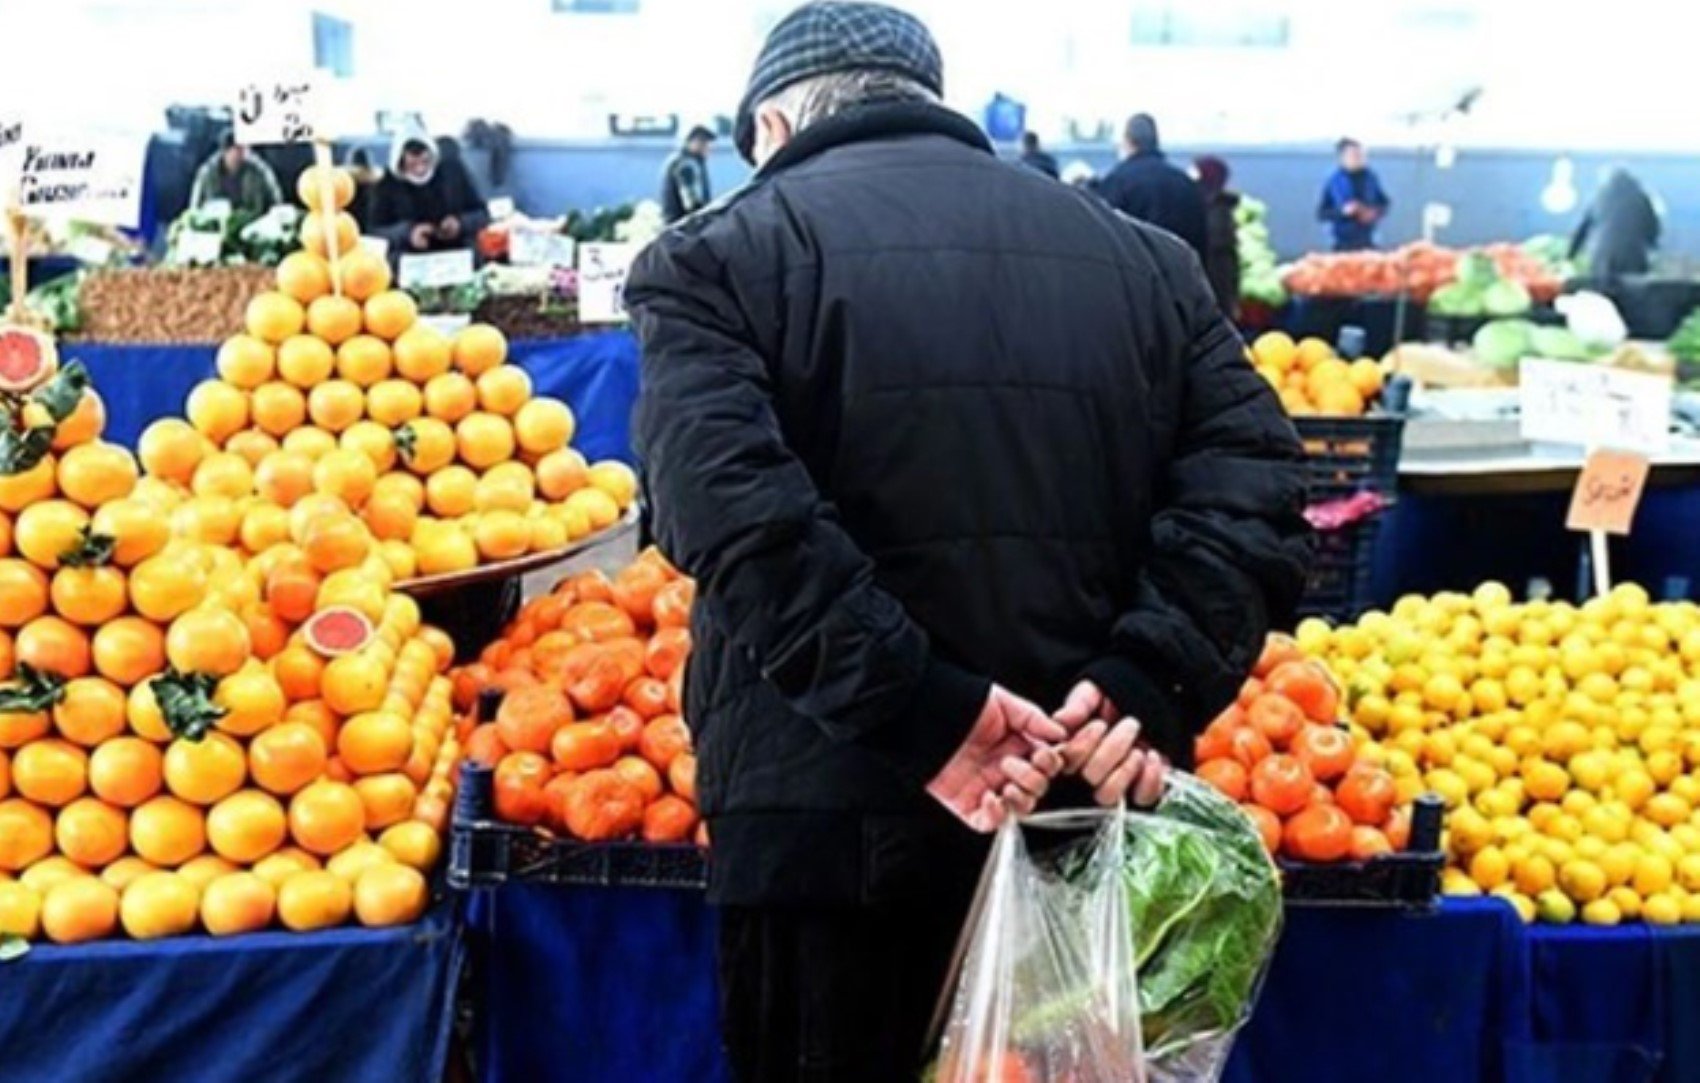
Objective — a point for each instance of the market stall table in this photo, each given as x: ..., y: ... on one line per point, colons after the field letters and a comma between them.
x: 343, y: 1004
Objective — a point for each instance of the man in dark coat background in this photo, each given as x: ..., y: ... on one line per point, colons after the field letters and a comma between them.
x: 1145, y: 186
x: 685, y: 186
x: 977, y: 488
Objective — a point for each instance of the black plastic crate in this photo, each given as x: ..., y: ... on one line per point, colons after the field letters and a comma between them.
x: 1340, y: 582
x: 1408, y: 879
x: 486, y: 853
x: 1349, y: 455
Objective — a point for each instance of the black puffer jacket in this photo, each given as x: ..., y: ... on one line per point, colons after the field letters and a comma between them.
x: 918, y: 420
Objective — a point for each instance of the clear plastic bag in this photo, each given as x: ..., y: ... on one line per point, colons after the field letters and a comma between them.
x: 1117, y: 947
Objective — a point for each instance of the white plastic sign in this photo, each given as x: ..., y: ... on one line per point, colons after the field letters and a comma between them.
x: 1594, y: 405
x: 602, y: 270
x: 277, y: 111
x: 436, y: 269
x: 87, y: 178
x: 536, y: 248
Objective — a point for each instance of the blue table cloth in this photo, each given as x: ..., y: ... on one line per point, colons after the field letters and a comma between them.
x: 596, y: 986
x: 597, y: 374
x: 345, y: 1004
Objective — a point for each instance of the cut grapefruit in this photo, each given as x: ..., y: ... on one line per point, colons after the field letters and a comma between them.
x: 27, y: 358
x: 336, y: 630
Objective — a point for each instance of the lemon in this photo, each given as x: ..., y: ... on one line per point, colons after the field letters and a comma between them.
x: 1667, y: 810
x: 1456, y: 882
x: 1534, y: 874
x: 1555, y: 907
x: 1653, y: 874
x: 1619, y: 863
x: 1661, y: 909
x: 1489, y: 868
x: 1634, y: 787
x: 1469, y: 831
x: 1602, y: 912
x: 1582, y: 880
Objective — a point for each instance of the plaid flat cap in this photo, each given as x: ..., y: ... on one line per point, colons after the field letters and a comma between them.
x: 832, y: 36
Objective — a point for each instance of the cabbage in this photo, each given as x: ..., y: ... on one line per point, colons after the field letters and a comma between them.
x: 1457, y: 300
x: 1505, y: 298
x: 1502, y: 343
x: 1557, y: 343
x: 1476, y: 269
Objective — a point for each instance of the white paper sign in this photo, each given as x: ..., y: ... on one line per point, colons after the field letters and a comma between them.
x: 277, y: 111
x: 86, y: 178
x: 1594, y: 405
x: 448, y: 324
x: 436, y: 269
x: 378, y: 246
x: 602, y: 272
x: 500, y: 207
x: 199, y: 248
x: 535, y: 248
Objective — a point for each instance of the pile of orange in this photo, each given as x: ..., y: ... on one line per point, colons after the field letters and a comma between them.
x: 1312, y: 379
x: 182, y: 742
x: 337, y: 396
x: 1299, y: 774
x: 589, y: 740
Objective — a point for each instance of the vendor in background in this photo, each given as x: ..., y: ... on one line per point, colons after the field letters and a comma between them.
x: 684, y: 179
x: 1033, y: 157
x: 1353, y: 200
x: 425, y: 203
x: 232, y: 174
x: 1620, y: 230
x: 1144, y: 186
x: 1221, y: 232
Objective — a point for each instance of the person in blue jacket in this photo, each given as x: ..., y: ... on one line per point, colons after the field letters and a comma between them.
x: 1353, y: 201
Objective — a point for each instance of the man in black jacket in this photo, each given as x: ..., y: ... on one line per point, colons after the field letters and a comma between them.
x: 684, y: 178
x: 1145, y: 186
x: 942, y: 441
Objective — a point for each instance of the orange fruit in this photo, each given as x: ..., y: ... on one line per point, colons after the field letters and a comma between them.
x: 326, y: 817
x: 87, y: 422
x: 426, y: 445
x: 354, y: 683
x: 345, y: 474
x: 211, y: 520
x: 225, y: 474
x: 147, y: 721
x: 137, y: 531
x: 501, y: 535
x: 304, y: 277
x: 451, y: 491
x: 363, y: 360
x: 89, y: 596
x: 95, y: 473
x: 484, y: 439
x: 26, y: 834
x: 503, y: 492
x: 240, y: 902
x: 252, y: 700
x: 79, y: 910
x: 374, y: 742
x: 90, y: 712
x: 393, y: 402
x: 207, y: 640
x: 19, y: 491
x: 279, y: 409
x: 280, y: 865
x: 166, y: 831
x: 125, y: 871
x: 47, y: 530
x: 412, y: 843
x: 317, y: 184
x: 334, y: 319
x: 284, y: 477
x: 388, y: 798
x: 422, y: 353
x: 318, y: 233
x: 246, y: 826
x: 273, y: 317
x: 334, y: 542
x: 547, y: 534
x: 264, y: 526
x: 305, y: 361
x: 246, y: 362
x: 373, y: 441
x: 399, y: 556
x: 478, y: 348
x: 308, y: 510
x: 166, y: 585
x: 23, y: 592
x: 53, y: 645
x: 543, y: 425
x: 365, y: 275
x: 316, y: 714
x: 335, y: 405
x: 126, y: 771
x: 159, y: 904
x: 20, y: 910
x: 617, y: 480
x: 286, y: 757
x: 503, y: 390
x: 91, y: 832
x: 450, y: 396
x: 314, y: 900
x: 298, y: 669
x: 206, y: 771
x: 390, y: 894
x: 127, y: 650
x: 390, y: 517
x: 389, y: 314
x: 444, y: 548
x: 171, y: 448
x: 311, y: 442
x: 204, y: 869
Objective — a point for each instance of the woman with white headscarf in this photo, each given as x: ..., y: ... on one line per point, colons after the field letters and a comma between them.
x: 426, y: 203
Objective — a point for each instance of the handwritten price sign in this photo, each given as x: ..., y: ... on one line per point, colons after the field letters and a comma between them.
x: 280, y: 111
x: 1594, y: 405
x: 1608, y: 492
x: 602, y: 270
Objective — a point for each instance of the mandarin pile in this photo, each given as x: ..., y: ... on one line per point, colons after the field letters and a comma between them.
x: 1312, y: 379
x: 338, y: 413
x: 589, y: 740
x: 1564, y: 739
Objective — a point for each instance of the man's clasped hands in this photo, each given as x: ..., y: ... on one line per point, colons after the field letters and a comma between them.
x: 1015, y: 750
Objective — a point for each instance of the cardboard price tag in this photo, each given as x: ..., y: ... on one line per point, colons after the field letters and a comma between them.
x: 1594, y: 405
x: 435, y: 269
x: 277, y: 111
x: 87, y: 178
x: 1607, y: 492
x: 602, y: 270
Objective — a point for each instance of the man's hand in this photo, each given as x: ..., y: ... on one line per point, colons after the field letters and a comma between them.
x: 449, y: 228
x: 419, y: 237
x: 1004, y: 766
x: 1352, y: 209
x: 1104, y: 750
